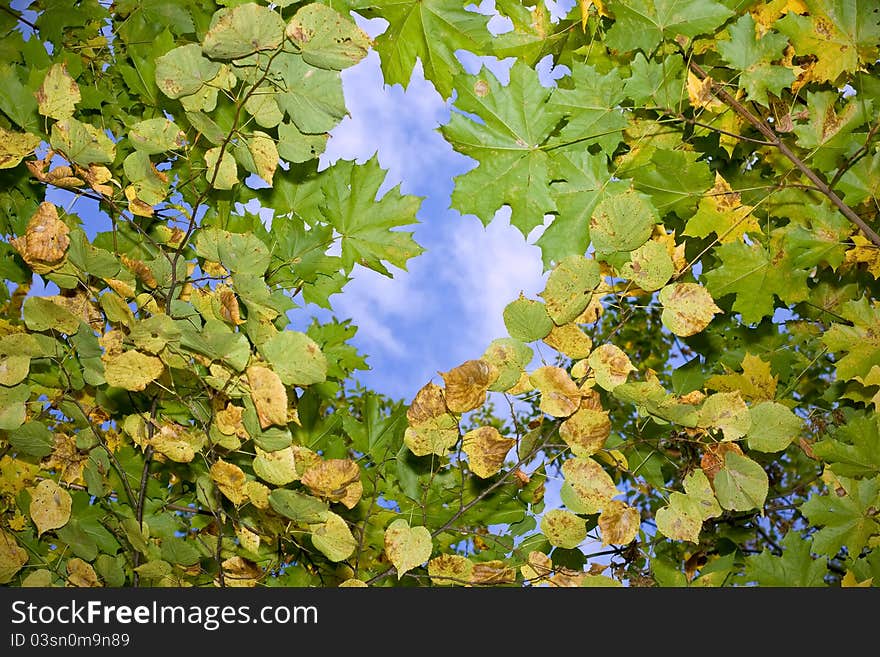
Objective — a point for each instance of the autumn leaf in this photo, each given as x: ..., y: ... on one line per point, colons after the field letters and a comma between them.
x: 50, y: 506
x: 466, y: 385
x: 231, y: 480
x: 586, y: 430
x: 687, y: 308
x: 619, y: 523
x: 563, y: 528
x: 450, y: 570
x: 407, y: 547
x: 132, y: 370
x: 268, y: 394
x: 589, y: 484
x: 486, y: 450
x: 338, y: 480
x: 45, y: 242
x: 12, y: 557
x: 560, y: 396
x: 610, y: 365
x: 240, y: 572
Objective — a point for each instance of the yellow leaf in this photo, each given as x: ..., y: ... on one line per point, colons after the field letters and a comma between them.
x: 177, y: 442
x: 231, y: 481
x: 864, y: 252
x: 610, y: 365
x: 586, y: 431
x: 66, y: 459
x: 688, y: 308
x: 14, y: 146
x: 433, y: 436
x: 407, y: 547
x: 522, y: 386
x: 466, y: 385
x: 248, y: 539
x: 81, y: 574
x: 755, y: 383
x: 722, y: 212
x: 16, y: 475
x: 700, y: 93
x: 486, y: 450
x: 338, y: 480
x: 265, y: 153
x: 229, y: 310
x: 591, y: 485
x: 258, y: 494
x: 12, y: 557
x: 538, y: 567
x: 849, y: 580
x: 58, y: 95
x: 333, y: 538
x: 131, y: 370
x: 619, y: 523
x: 50, y: 506
x: 353, y: 583
x: 240, y: 572
x: 767, y: 13
x: 563, y: 528
x: 269, y: 396
x: 229, y: 421
x: 450, y: 570
x: 428, y: 403
x: 40, y: 578
x: 45, y: 241
x: 570, y: 340
x: 560, y: 396
x: 492, y: 573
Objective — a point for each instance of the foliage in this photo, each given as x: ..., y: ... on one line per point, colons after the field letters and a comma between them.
x: 707, y: 178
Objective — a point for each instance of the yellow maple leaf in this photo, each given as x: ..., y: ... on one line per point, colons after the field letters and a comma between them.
x: 755, y: 383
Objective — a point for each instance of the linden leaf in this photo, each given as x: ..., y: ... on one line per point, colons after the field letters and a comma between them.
x: 728, y: 412
x: 240, y: 573
x: 177, y: 442
x: 45, y: 241
x: 527, y: 320
x: 650, y: 266
x: 466, y: 385
x: 428, y: 403
x: 183, y: 71
x: 699, y: 489
x: 486, y: 449
x: 327, y: 39
x: 435, y: 435
x: 12, y: 557
x: 721, y: 211
x: 538, y: 567
x: 774, y: 427
x: 619, y: 523
x: 296, y: 358
x: 278, y: 467
x: 81, y: 574
x: 681, y: 519
x: 58, y: 95
x: 586, y: 431
x: 450, y: 570
x: 50, y: 506
x: 82, y: 143
x: 354, y: 584
x: 688, y: 308
x: 592, y: 486
x: 407, y: 547
x: 563, y: 528
x: 221, y: 173
x: 569, y: 288
x: 740, y: 484
x: 298, y: 506
x: 231, y: 480
x: 570, y: 340
x: 264, y: 153
x: 610, y: 366
x: 622, y: 222
x: 243, y: 30
x: 713, y: 459
x: 132, y: 370
x: 14, y: 146
x: 492, y: 573
x: 154, y: 136
x: 755, y: 383
x: 560, y: 395
x: 333, y: 538
x: 338, y: 480
x: 509, y: 357
x: 269, y: 396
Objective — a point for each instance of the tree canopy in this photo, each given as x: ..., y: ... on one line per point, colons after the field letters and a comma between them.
x: 693, y: 396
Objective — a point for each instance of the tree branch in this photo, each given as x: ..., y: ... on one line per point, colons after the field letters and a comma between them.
x: 774, y: 139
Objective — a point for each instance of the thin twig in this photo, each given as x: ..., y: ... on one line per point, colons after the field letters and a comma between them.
x: 771, y: 135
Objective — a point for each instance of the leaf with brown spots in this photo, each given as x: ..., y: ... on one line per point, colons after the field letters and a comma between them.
x: 492, y: 573
x: 407, y: 547
x: 12, y: 557
x: 429, y: 403
x: 450, y: 570
x: 81, y: 574
x: 538, y: 567
x: 713, y: 457
x: 240, y: 572
x: 132, y: 370
x: 619, y: 523
x: 66, y: 459
x: 728, y: 412
x: 563, y: 528
x: 50, y: 506
x: 486, y: 449
x: 338, y: 480
x: 433, y: 436
x: 560, y: 396
x: 231, y: 481
x: 591, y: 486
x: 45, y: 241
x: 586, y: 431
x: 570, y: 340
x: 610, y: 365
x: 269, y: 396
x: 58, y: 95
x: 14, y: 146
x: 688, y: 308
x: 466, y: 385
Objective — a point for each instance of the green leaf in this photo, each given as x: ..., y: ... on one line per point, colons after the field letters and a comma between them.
x: 183, y: 71
x: 296, y: 358
x: 154, y: 136
x: 110, y: 570
x: 31, y: 438
x: 242, y: 253
x: 847, y: 516
x: 643, y: 24
x: 82, y: 143
x: 514, y: 168
x: 313, y: 96
x: 510, y: 357
x: 294, y: 146
x: 297, y: 506
x: 828, y: 132
x: 407, y: 547
x: 327, y: 39
x: 243, y: 30
x: 431, y: 31
x: 756, y: 275
x: 221, y: 171
x: 657, y: 84
x: 366, y: 223
x: 149, y: 185
x: 569, y: 288
x: 862, y: 181
x: 58, y: 95
x: 774, y: 427
x: 17, y: 101
x: 527, y: 320
x: 794, y: 567
x: 622, y: 222
x: 752, y: 56
x: 675, y: 181
x: 681, y: 519
x: 741, y: 484
x: 179, y: 551
x: 853, y: 449
x: 42, y: 314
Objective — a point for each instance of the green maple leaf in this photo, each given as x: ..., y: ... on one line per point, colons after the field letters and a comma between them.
x: 675, y: 180
x: 756, y: 274
x: 823, y: 241
x: 853, y: 450
x: 428, y: 30
x: 862, y: 181
x: 794, y: 567
x: 828, y: 132
x: 364, y: 222
x: 534, y: 34
x: 860, y: 341
x: 841, y: 34
x: 847, y: 516
x: 752, y: 56
x: 513, y: 167
x: 645, y: 23
x: 657, y: 83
